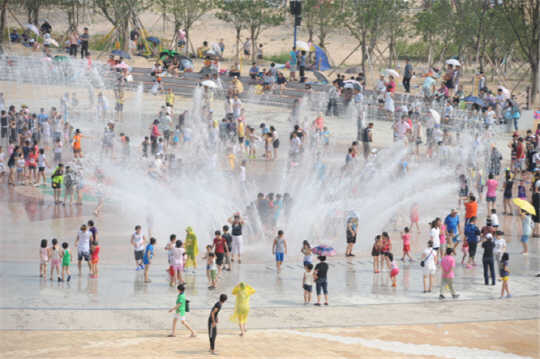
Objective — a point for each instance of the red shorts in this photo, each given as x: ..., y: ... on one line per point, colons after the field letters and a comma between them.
x: 394, y: 272
x: 406, y: 248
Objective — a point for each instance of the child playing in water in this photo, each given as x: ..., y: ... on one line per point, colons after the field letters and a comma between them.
x: 452, y: 241
x: 386, y: 248
x: 207, y: 254
x: 522, y: 193
x: 504, y: 273
x: 66, y: 260
x: 94, y: 259
x: 55, y: 259
x: 465, y: 250
x: 406, y: 244
x: 376, y: 254
x: 42, y: 162
x: 145, y: 144
x: 413, y: 215
x: 307, y: 283
x: 308, y: 255
x: 44, y: 257
x: 147, y: 258
x: 211, y: 265
x: 279, y: 248
x: 395, y: 269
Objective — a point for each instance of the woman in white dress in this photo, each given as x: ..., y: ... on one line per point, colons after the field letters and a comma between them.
x: 389, y: 103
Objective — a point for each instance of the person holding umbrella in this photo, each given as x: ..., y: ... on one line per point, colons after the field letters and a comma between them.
x: 241, y: 307
x: 526, y: 225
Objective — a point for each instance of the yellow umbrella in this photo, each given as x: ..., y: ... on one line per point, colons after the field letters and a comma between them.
x: 524, y: 205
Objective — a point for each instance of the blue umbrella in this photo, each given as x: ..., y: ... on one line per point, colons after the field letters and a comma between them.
x: 154, y: 40
x: 475, y: 100
x: 121, y: 53
x: 323, y: 250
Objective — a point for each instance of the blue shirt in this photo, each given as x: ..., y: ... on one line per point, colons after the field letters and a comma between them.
x: 326, y: 136
x: 472, y: 232
x: 452, y: 223
x: 42, y: 117
x: 428, y: 82
x: 321, y: 171
x: 254, y: 70
x: 303, y: 60
x: 279, y: 205
x: 149, y: 252
x: 265, y: 130
x: 293, y: 57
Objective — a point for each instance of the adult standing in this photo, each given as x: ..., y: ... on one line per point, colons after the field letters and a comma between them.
x: 407, y: 75
x: 471, y: 236
x: 213, y: 321
x: 332, y: 98
x: 452, y: 223
x: 292, y: 63
x: 46, y: 27
x: 526, y: 226
x: 367, y: 138
x: 85, y: 42
x: 302, y: 65
x: 241, y: 307
x: 448, y: 263
x: 435, y: 235
x: 275, y: 143
x: 93, y: 230
x: 487, y: 259
x: 192, y: 249
x: 429, y: 258
x: 236, y: 221
x: 321, y: 276
x: 352, y: 227
x: 83, y: 246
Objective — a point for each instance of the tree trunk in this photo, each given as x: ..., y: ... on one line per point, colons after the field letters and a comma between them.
x: 3, y: 15
x: 391, y: 50
x: 364, y: 52
x: 187, y: 42
x: 125, y: 34
x: 237, y: 43
x: 430, y: 54
x: 534, y: 82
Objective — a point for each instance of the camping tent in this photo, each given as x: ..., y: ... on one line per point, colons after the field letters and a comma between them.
x: 320, y: 55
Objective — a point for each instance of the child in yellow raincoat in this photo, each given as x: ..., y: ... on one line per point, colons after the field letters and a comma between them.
x: 241, y: 308
x: 192, y: 249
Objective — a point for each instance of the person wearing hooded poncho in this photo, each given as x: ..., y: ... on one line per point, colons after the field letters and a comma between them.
x: 241, y: 308
x: 192, y: 249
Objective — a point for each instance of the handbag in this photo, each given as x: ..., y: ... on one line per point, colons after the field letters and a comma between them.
x: 423, y: 263
x: 187, y: 305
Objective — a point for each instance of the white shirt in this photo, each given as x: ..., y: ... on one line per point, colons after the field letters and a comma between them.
x: 188, y: 132
x: 41, y: 160
x: 499, y: 245
x: 429, y: 261
x: 138, y: 239
x: 295, y: 144
x: 495, y: 220
x: 84, y: 241
x: 242, y: 174
x: 490, y: 117
x: 434, y: 233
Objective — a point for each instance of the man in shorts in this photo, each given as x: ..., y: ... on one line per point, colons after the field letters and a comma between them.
x: 292, y: 63
x: 367, y: 137
x: 138, y: 239
x: 83, y: 246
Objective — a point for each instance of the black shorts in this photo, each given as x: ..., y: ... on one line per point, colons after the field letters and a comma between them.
x: 260, y: 57
x: 119, y: 107
x: 32, y: 167
x: 139, y: 255
x: 350, y: 238
x: 375, y: 253
x: 41, y: 169
x: 167, y: 134
x: 276, y: 144
x: 169, y: 104
x: 247, y: 53
x: 386, y: 254
x: 56, y: 185
x: 240, y: 140
x: 4, y: 133
x: 83, y: 254
x: 219, y: 258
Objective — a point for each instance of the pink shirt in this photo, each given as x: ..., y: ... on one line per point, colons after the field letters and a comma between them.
x: 406, y: 239
x: 442, y: 235
x: 320, y: 122
x: 402, y: 127
x: 447, y: 264
x: 491, y: 188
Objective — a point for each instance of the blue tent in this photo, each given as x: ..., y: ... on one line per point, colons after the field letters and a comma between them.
x: 320, y: 54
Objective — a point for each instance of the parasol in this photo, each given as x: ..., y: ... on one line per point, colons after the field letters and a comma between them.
x: 323, y: 250
x: 393, y: 73
x: 524, y: 205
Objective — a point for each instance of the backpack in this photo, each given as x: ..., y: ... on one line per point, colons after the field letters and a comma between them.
x: 187, y: 306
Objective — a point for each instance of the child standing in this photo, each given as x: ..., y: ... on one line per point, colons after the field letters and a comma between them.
x: 406, y: 244
x: 94, y: 259
x: 326, y: 139
x: 413, y: 215
x: 494, y: 218
x: 279, y: 248
x: 395, y: 269
x: 57, y: 179
x: 307, y: 283
x: 376, y: 254
x: 211, y: 265
x: 308, y: 255
x: 57, y: 150
x: 55, y: 259
x: 138, y: 239
x: 385, y: 251
x: 147, y: 258
x: 144, y: 146
x: 32, y: 166
x: 208, y: 251
x: 66, y: 261
x: 465, y: 250
x: 21, y: 164
x: 44, y: 257
x: 42, y: 162
x: 180, y: 312
x: 504, y: 273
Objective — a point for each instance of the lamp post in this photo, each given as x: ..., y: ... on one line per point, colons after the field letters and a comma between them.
x: 296, y: 11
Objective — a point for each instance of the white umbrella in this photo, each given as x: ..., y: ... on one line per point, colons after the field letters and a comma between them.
x: 393, y: 73
x: 53, y: 41
x: 33, y: 28
x: 301, y: 45
x: 348, y: 86
x: 505, y: 91
x: 436, y: 116
x: 453, y: 62
x: 210, y: 84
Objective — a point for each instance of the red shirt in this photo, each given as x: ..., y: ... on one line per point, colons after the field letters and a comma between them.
x: 471, y: 209
x: 219, y: 242
x: 95, y: 253
x: 32, y: 159
x: 520, y: 151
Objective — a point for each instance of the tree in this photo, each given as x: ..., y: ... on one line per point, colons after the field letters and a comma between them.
x: 259, y: 15
x: 523, y: 17
x: 120, y: 13
x: 3, y: 14
x: 231, y: 12
x: 187, y: 12
x: 396, y: 28
x: 364, y: 19
x: 73, y: 10
x: 32, y: 10
x: 321, y: 17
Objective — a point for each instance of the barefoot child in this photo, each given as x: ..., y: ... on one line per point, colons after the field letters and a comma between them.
x: 406, y: 244
x: 395, y: 269
x: 66, y: 260
x: 208, y: 251
x: 44, y: 257
x: 504, y: 273
x: 42, y: 162
x: 376, y: 254
x: 465, y: 250
x: 94, y: 259
x: 55, y: 259
x: 211, y: 264
x: 307, y: 283
x: 279, y: 248
x: 147, y: 258
x: 413, y: 215
x: 180, y: 312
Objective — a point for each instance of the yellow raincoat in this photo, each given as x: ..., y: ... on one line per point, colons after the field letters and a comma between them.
x: 241, y: 307
x: 192, y: 249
